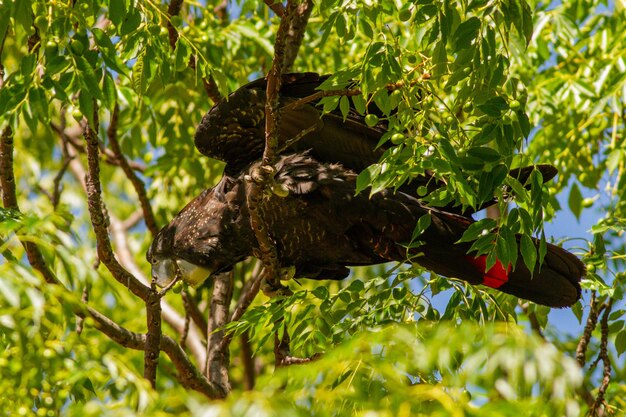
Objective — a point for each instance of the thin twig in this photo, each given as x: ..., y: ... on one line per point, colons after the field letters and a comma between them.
x: 282, y: 351
x: 532, y: 319
x: 173, y: 10
x: 249, y: 292
x: 193, y: 311
x: 71, y: 136
x: 132, y: 220
x: 221, y: 11
x: 80, y: 321
x: 348, y: 92
x: 137, y: 183
x: 183, y: 337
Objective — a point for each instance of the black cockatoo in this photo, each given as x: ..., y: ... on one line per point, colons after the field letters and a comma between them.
x: 321, y: 227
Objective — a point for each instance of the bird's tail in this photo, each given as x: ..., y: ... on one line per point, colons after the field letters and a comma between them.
x: 554, y: 283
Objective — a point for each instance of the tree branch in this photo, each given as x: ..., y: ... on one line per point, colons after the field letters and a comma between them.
x: 153, y: 336
x: 193, y: 311
x: 592, y: 320
x: 218, y: 358
x: 249, y: 368
x: 100, y: 221
x: 292, y: 25
x: 122, y: 252
x: 276, y: 7
x: 130, y: 174
x: 9, y: 200
x: 188, y: 374
x: 71, y: 135
x: 297, y: 26
x: 599, y: 406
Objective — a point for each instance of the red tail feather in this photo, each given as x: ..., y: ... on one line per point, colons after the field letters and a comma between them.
x: 497, y: 274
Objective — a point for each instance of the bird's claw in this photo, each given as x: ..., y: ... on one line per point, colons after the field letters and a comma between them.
x: 273, y: 288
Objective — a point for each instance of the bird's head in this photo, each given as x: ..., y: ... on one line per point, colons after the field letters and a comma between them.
x: 202, y: 240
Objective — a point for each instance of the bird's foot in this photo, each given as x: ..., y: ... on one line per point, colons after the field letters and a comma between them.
x: 273, y: 288
x: 293, y: 360
x: 287, y: 273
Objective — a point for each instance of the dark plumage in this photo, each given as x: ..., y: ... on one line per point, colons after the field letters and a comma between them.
x: 233, y: 131
x: 321, y: 228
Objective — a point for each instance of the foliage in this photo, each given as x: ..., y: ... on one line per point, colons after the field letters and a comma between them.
x: 479, y: 87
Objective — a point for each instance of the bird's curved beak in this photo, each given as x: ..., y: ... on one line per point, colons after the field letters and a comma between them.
x: 163, y: 272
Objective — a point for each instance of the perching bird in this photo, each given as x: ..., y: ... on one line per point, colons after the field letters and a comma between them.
x: 321, y: 227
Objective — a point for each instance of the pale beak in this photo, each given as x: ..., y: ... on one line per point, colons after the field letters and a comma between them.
x: 163, y: 272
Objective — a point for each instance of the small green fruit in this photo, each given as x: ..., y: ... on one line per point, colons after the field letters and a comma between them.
x: 397, y: 138
x: 77, y: 47
x: 371, y: 120
x: 514, y: 104
x: 176, y: 21
x: 51, y: 49
x: 467, y: 107
x: 404, y: 15
x: 41, y: 22
x: 77, y: 115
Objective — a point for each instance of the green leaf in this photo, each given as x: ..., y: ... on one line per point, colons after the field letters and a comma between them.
x: 620, y: 342
x: 575, y: 200
x: 38, y: 103
x: 344, y: 106
x: 422, y: 224
x: 476, y: 229
x: 321, y: 293
x: 117, y: 11
x: 85, y: 104
x: 529, y: 252
x: 466, y: 33
x: 485, y: 153
x: 359, y: 104
x: 139, y: 83
x: 109, y: 91
x: 87, y: 77
x: 365, y: 178
x: 494, y: 106
x: 131, y: 22
x: 107, y: 51
x: 183, y: 52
